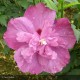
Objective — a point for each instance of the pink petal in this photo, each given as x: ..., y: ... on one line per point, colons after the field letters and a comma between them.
x: 63, y: 32
x: 47, y: 30
x: 14, y: 26
x: 27, y: 54
x: 34, y: 42
x: 58, y: 63
x: 23, y: 36
x: 47, y: 52
x: 40, y: 16
x: 27, y: 60
x: 52, y: 41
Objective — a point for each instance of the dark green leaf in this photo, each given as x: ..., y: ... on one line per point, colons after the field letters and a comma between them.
x: 74, y: 72
x: 6, y: 50
x: 3, y: 20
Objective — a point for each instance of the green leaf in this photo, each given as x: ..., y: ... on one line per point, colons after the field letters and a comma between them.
x: 71, y: 1
x: 30, y: 0
x: 71, y: 4
x: 1, y: 43
x: 51, y: 4
x: 76, y: 32
x: 3, y: 20
x: 2, y: 8
x: 6, y: 50
x: 74, y: 72
x: 66, y: 69
x: 2, y: 30
x: 56, y: 2
x: 60, y: 1
x: 37, y: 1
x: 77, y: 19
x: 23, y: 3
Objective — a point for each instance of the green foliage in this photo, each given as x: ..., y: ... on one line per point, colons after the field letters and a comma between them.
x: 23, y: 3
x: 74, y: 72
x: 3, y: 20
x: 76, y: 32
x: 71, y: 4
x: 51, y: 4
x: 6, y: 50
x: 71, y: 1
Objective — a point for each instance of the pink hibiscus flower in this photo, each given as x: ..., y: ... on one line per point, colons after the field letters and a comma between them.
x: 40, y: 42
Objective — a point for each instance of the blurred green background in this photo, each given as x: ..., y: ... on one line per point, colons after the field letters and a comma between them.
x: 15, y: 8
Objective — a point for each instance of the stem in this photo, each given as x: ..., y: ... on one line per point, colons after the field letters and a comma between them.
x: 62, y: 9
x: 2, y: 44
x: 39, y: 0
x: 34, y: 2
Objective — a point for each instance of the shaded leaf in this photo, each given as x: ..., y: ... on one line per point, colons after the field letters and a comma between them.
x: 76, y: 32
x: 74, y: 72
x: 3, y: 20
x: 23, y: 3
x: 6, y: 50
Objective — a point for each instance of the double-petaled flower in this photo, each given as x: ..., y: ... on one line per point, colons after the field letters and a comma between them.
x: 40, y: 41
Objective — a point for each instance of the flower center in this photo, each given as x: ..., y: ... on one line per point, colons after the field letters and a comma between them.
x: 39, y: 31
x: 43, y: 42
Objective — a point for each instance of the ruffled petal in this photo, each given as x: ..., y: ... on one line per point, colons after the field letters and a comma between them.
x: 40, y: 16
x: 63, y: 32
x: 34, y: 42
x: 58, y: 62
x: 27, y: 60
x: 14, y: 26
x: 47, y: 52
x: 52, y: 41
